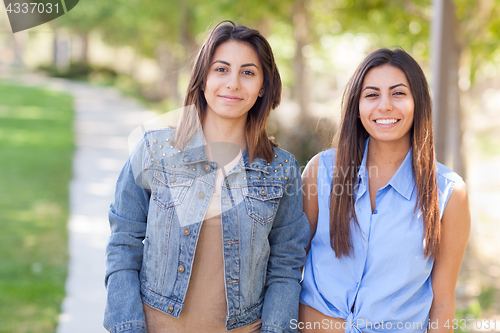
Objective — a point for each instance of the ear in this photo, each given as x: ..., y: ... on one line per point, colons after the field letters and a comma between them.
x: 262, y: 91
x: 202, y: 87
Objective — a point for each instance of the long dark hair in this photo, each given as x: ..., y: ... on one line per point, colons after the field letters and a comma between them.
x: 350, y: 148
x: 258, y: 143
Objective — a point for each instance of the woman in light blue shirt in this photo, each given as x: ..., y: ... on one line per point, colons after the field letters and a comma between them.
x: 389, y: 224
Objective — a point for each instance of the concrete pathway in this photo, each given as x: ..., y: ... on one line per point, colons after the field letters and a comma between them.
x: 104, y: 118
x: 103, y: 121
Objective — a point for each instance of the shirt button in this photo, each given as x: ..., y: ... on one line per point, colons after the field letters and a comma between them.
x: 170, y: 308
x: 180, y: 269
x: 207, y: 168
x: 186, y: 232
x: 201, y: 194
x: 375, y: 211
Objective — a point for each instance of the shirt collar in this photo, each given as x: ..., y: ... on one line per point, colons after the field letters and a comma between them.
x: 402, y: 181
x: 362, y: 173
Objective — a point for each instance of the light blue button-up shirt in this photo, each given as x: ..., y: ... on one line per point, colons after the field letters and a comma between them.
x: 388, y: 278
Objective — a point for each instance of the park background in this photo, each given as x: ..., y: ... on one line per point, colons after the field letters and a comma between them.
x: 143, y: 51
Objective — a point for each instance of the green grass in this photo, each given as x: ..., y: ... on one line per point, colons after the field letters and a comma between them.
x: 36, y: 147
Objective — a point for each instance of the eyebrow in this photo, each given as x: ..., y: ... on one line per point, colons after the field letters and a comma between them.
x: 390, y: 88
x: 228, y: 64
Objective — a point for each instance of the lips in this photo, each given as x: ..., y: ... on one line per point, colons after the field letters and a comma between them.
x: 230, y: 99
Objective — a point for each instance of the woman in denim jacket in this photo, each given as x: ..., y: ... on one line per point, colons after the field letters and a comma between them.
x: 208, y: 232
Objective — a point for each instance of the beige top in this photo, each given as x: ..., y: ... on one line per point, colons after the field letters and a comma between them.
x: 205, y: 306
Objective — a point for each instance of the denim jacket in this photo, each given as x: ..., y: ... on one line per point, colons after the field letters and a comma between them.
x: 161, y: 198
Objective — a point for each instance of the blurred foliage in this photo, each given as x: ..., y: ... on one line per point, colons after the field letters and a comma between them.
x: 36, y: 149
x: 476, y: 310
x: 80, y: 71
x: 311, y: 137
x: 385, y: 23
x: 479, y: 32
x: 181, y: 24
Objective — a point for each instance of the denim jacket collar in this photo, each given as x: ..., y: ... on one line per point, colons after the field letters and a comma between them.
x: 194, y: 152
x: 258, y: 164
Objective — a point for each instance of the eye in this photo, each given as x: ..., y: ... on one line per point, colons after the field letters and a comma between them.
x: 399, y: 93
x: 248, y: 72
x: 221, y: 69
x: 371, y: 95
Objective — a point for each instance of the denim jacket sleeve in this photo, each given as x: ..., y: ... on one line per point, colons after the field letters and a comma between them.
x: 124, y: 252
x: 288, y: 239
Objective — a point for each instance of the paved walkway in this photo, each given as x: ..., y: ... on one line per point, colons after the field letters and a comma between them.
x: 103, y: 120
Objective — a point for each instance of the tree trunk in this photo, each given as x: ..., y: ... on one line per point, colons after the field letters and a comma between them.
x: 166, y: 87
x: 300, y: 90
x: 19, y: 41
x: 61, y: 51
x: 448, y: 132
x: 84, y: 55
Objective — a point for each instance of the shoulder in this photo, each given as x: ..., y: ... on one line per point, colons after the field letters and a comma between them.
x: 452, y: 190
x: 284, y: 161
x: 448, y: 181
x: 328, y: 156
x: 456, y: 183
x: 445, y: 174
x: 320, y: 164
x: 282, y: 154
x: 161, y: 135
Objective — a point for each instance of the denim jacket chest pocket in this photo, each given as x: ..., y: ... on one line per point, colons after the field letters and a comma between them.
x: 262, y: 200
x: 169, y: 189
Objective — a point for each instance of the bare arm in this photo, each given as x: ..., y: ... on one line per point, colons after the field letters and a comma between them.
x: 310, y: 194
x: 455, y: 234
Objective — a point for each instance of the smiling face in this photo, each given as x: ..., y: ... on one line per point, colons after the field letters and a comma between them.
x: 234, y: 81
x: 386, y: 105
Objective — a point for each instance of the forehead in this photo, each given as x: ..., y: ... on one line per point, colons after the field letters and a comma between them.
x: 236, y: 52
x: 385, y: 75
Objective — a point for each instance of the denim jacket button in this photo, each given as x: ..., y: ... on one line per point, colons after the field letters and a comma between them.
x: 173, y: 179
x: 263, y: 192
x: 207, y: 168
x: 186, y: 232
x: 180, y: 269
x: 170, y: 308
x: 201, y: 194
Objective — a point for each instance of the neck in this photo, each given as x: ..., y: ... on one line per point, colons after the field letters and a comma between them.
x: 225, y: 130
x: 387, y: 155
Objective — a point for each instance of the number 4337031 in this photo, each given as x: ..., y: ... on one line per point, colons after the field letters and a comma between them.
x: 468, y: 324
x: 32, y: 8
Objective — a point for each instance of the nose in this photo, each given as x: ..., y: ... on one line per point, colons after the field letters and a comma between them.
x: 385, y: 103
x: 233, y: 81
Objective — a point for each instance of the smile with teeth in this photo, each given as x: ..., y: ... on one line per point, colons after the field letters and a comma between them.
x: 386, y: 121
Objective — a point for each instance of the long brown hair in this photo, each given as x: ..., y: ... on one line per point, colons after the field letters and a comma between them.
x: 350, y: 148
x: 195, y: 104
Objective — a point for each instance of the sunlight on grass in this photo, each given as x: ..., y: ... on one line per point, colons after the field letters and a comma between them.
x: 36, y: 147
